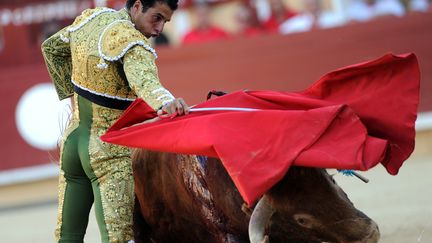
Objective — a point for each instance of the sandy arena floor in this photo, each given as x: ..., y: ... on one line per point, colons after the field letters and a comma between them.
x: 401, y: 205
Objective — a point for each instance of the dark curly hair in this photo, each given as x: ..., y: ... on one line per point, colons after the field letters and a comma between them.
x: 173, y: 4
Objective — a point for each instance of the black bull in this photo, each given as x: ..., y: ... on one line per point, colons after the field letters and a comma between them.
x: 182, y: 199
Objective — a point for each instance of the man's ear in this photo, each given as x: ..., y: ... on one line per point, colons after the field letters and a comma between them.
x: 137, y: 6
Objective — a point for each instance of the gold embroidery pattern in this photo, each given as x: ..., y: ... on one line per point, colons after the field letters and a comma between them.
x: 142, y: 74
x: 86, y: 16
x: 119, y: 37
x: 112, y: 166
x: 85, y: 46
x: 61, y: 194
x: 59, y: 63
x: 136, y: 77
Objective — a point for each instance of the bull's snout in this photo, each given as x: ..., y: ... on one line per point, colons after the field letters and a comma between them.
x: 360, y: 230
x: 374, y: 235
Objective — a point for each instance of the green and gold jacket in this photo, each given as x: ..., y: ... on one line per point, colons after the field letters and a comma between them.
x: 102, y: 53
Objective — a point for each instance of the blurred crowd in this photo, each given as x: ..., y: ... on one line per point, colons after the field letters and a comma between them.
x: 257, y: 17
x: 198, y: 21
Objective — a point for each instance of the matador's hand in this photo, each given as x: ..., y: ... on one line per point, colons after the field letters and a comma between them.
x: 178, y: 106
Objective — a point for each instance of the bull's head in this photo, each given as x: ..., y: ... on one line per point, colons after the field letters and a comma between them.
x: 308, y: 206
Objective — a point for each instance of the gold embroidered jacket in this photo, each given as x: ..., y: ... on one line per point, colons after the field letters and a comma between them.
x: 103, y: 53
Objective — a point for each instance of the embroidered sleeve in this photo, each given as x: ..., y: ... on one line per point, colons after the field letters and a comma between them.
x: 141, y: 72
x: 58, y: 60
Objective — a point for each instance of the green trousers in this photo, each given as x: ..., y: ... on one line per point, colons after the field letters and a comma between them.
x: 94, y: 172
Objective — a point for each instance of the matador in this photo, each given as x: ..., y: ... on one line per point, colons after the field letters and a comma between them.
x: 104, y: 60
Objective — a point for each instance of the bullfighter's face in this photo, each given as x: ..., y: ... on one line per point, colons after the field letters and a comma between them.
x: 150, y: 22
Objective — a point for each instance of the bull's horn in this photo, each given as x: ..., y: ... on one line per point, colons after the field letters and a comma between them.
x: 259, y: 219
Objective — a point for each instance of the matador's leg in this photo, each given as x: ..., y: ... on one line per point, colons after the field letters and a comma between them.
x: 110, y: 172
x: 75, y: 194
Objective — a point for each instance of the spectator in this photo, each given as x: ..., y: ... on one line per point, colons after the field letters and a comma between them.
x: 419, y: 5
x: 314, y: 16
x: 388, y: 7
x: 205, y: 31
x: 360, y: 10
x: 247, y: 20
x: 279, y: 14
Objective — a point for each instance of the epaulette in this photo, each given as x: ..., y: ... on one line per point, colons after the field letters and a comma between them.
x: 85, y: 17
x: 117, y: 38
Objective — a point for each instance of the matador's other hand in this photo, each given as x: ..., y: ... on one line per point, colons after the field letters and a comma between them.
x: 178, y: 106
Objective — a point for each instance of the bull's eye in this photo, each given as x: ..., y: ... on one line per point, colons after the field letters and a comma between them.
x: 304, y: 220
x: 301, y: 221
